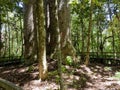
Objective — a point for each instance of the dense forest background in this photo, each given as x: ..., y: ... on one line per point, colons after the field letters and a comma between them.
x: 67, y: 31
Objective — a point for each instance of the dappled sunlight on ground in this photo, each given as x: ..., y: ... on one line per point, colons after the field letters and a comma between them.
x: 92, y: 77
x: 101, y: 78
x: 37, y: 85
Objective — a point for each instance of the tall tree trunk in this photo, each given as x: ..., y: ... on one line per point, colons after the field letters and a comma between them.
x: 67, y: 48
x: 29, y: 34
x: 1, y: 44
x: 64, y: 21
x: 46, y: 13
x: 89, y: 34
x: 47, y: 22
x: 41, y: 41
x: 83, y: 39
x: 110, y: 16
x: 53, y: 28
x: 35, y: 30
x: 98, y: 34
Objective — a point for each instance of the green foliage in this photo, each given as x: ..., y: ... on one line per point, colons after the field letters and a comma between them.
x: 12, y: 25
x: 116, y: 1
x: 25, y: 1
x: 102, y: 27
x: 52, y: 74
x: 63, y: 68
x: 69, y: 60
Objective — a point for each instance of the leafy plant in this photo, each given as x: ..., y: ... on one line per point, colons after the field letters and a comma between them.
x: 69, y: 60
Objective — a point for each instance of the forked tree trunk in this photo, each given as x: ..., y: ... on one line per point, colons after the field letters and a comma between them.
x: 41, y: 41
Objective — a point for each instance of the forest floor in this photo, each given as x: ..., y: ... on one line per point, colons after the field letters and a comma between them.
x: 77, y: 77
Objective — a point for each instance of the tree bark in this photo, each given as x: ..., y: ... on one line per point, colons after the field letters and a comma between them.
x: 1, y: 45
x: 41, y: 41
x: 53, y: 28
x: 83, y: 39
x: 67, y: 48
x: 29, y: 34
x: 35, y: 30
x: 89, y: 35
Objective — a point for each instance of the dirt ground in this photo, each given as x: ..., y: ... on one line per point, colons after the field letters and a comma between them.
x: 77, y: 77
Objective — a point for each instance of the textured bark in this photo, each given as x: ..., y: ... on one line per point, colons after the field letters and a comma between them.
x: 64, y: 21
x: 1, y: 45
x: 29, y: 34
x: 35, y: 30
x: 41, y: 41
x: 53, y: 28
x: 64, y: 26
x: 89, y: 35
x: 47, y: 23
x: 83, y: 39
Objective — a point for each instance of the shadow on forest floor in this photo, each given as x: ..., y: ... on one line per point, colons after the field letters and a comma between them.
x: 78, y: 77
